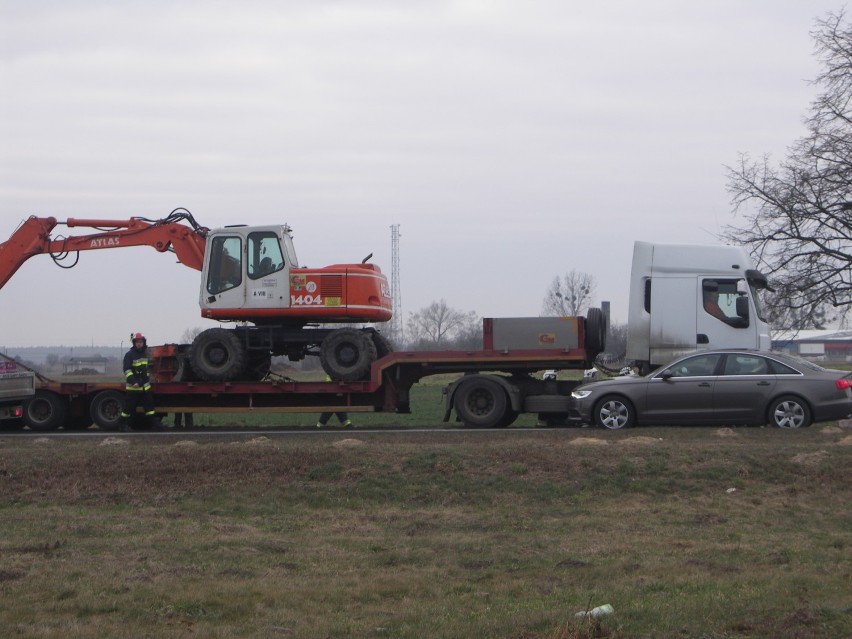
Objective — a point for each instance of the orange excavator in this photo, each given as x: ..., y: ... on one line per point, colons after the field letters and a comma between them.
x: 249, y: 275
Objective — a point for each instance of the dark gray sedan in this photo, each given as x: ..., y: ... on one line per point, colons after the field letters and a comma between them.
x: 729, y: 387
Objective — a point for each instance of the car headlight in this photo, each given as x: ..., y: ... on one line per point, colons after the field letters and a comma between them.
x: 580, y: 394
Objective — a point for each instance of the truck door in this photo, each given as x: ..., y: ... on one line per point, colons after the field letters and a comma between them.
x: 267, y: 272
x: 672, y: 326
x: 223, y: 275
x: 724, y: 314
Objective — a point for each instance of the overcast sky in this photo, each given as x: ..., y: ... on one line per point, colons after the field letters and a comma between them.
x: 510, y: 141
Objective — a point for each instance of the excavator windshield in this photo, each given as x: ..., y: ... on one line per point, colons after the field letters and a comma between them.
x: 264, y: 254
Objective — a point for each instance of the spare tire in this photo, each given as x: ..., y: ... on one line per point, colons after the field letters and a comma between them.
x: 347, y: 355
x: 217, y: 355
x: 595, y: 332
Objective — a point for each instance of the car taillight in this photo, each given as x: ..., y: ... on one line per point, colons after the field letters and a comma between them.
x: 18, y: 411
x: 843, y: 384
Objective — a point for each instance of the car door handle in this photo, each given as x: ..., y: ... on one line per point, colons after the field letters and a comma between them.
x: 764, y: 384
x: 704, y: 384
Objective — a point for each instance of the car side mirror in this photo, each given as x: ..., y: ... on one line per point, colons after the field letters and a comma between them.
x: 666, y: 375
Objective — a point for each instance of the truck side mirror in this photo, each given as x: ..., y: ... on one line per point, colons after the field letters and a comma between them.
x: 742, y: 307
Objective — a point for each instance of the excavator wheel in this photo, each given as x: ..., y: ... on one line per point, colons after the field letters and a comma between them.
x: 347, y: 355
x: 217, y: 355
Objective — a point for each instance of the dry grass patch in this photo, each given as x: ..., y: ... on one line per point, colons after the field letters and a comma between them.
x: 438, y: 535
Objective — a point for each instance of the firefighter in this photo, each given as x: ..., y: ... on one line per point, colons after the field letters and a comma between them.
x: 137, y: 383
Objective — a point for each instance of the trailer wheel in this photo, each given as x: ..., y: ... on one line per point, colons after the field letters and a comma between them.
x: 481, y: 403
x: 45, y: 411
x: 595, y: 331
x: 347, y: 355
x: 217, y: 355
x: 106, y: 409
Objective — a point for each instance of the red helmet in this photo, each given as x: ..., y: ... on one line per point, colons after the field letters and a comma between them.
x: 139, y: 336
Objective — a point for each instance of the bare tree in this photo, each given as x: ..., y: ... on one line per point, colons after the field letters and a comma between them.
x: 437, y: 325
x: 797, y: 216
x: 569, y: 295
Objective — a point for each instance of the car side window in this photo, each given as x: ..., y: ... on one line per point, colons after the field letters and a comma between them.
x: 698, y: 366
x: 778, y: 368
x: 739, y: 364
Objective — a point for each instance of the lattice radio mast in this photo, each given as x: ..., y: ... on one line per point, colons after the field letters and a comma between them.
x: 396, y: 328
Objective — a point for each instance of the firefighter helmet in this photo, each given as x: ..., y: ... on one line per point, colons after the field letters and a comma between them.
x: 139, y: 336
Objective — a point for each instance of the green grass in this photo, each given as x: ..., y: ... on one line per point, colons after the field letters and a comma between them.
x: 453, y: 534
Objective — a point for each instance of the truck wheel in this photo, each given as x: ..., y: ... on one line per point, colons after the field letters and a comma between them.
x: 217, y: 355
x: 789, y: 412
x: 481, y: 403
x: 595, y: 331
x: 614, y: 412
x: 106, y: 410
x: 347, y: 354
x: 45, y: 411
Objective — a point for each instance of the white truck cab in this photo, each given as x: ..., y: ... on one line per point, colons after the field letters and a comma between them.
x: 689, y: 297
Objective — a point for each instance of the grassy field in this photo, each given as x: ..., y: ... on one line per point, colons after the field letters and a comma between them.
x: 686, y: 532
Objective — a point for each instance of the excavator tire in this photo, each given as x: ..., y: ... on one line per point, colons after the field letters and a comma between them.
x: 217, y: 355
x: 347, y: 355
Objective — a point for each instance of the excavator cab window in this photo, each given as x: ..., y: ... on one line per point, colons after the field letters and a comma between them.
x: 264, y: 254
x: 226, y: 269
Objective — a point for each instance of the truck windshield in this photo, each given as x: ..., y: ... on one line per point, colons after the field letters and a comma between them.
x: 756, y: 295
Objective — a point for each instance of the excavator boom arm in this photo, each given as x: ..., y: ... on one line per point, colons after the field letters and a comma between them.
x: 33, y: 237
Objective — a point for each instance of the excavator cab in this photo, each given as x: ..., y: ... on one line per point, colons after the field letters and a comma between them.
x: 251, y: 276
x: 246, y: 268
